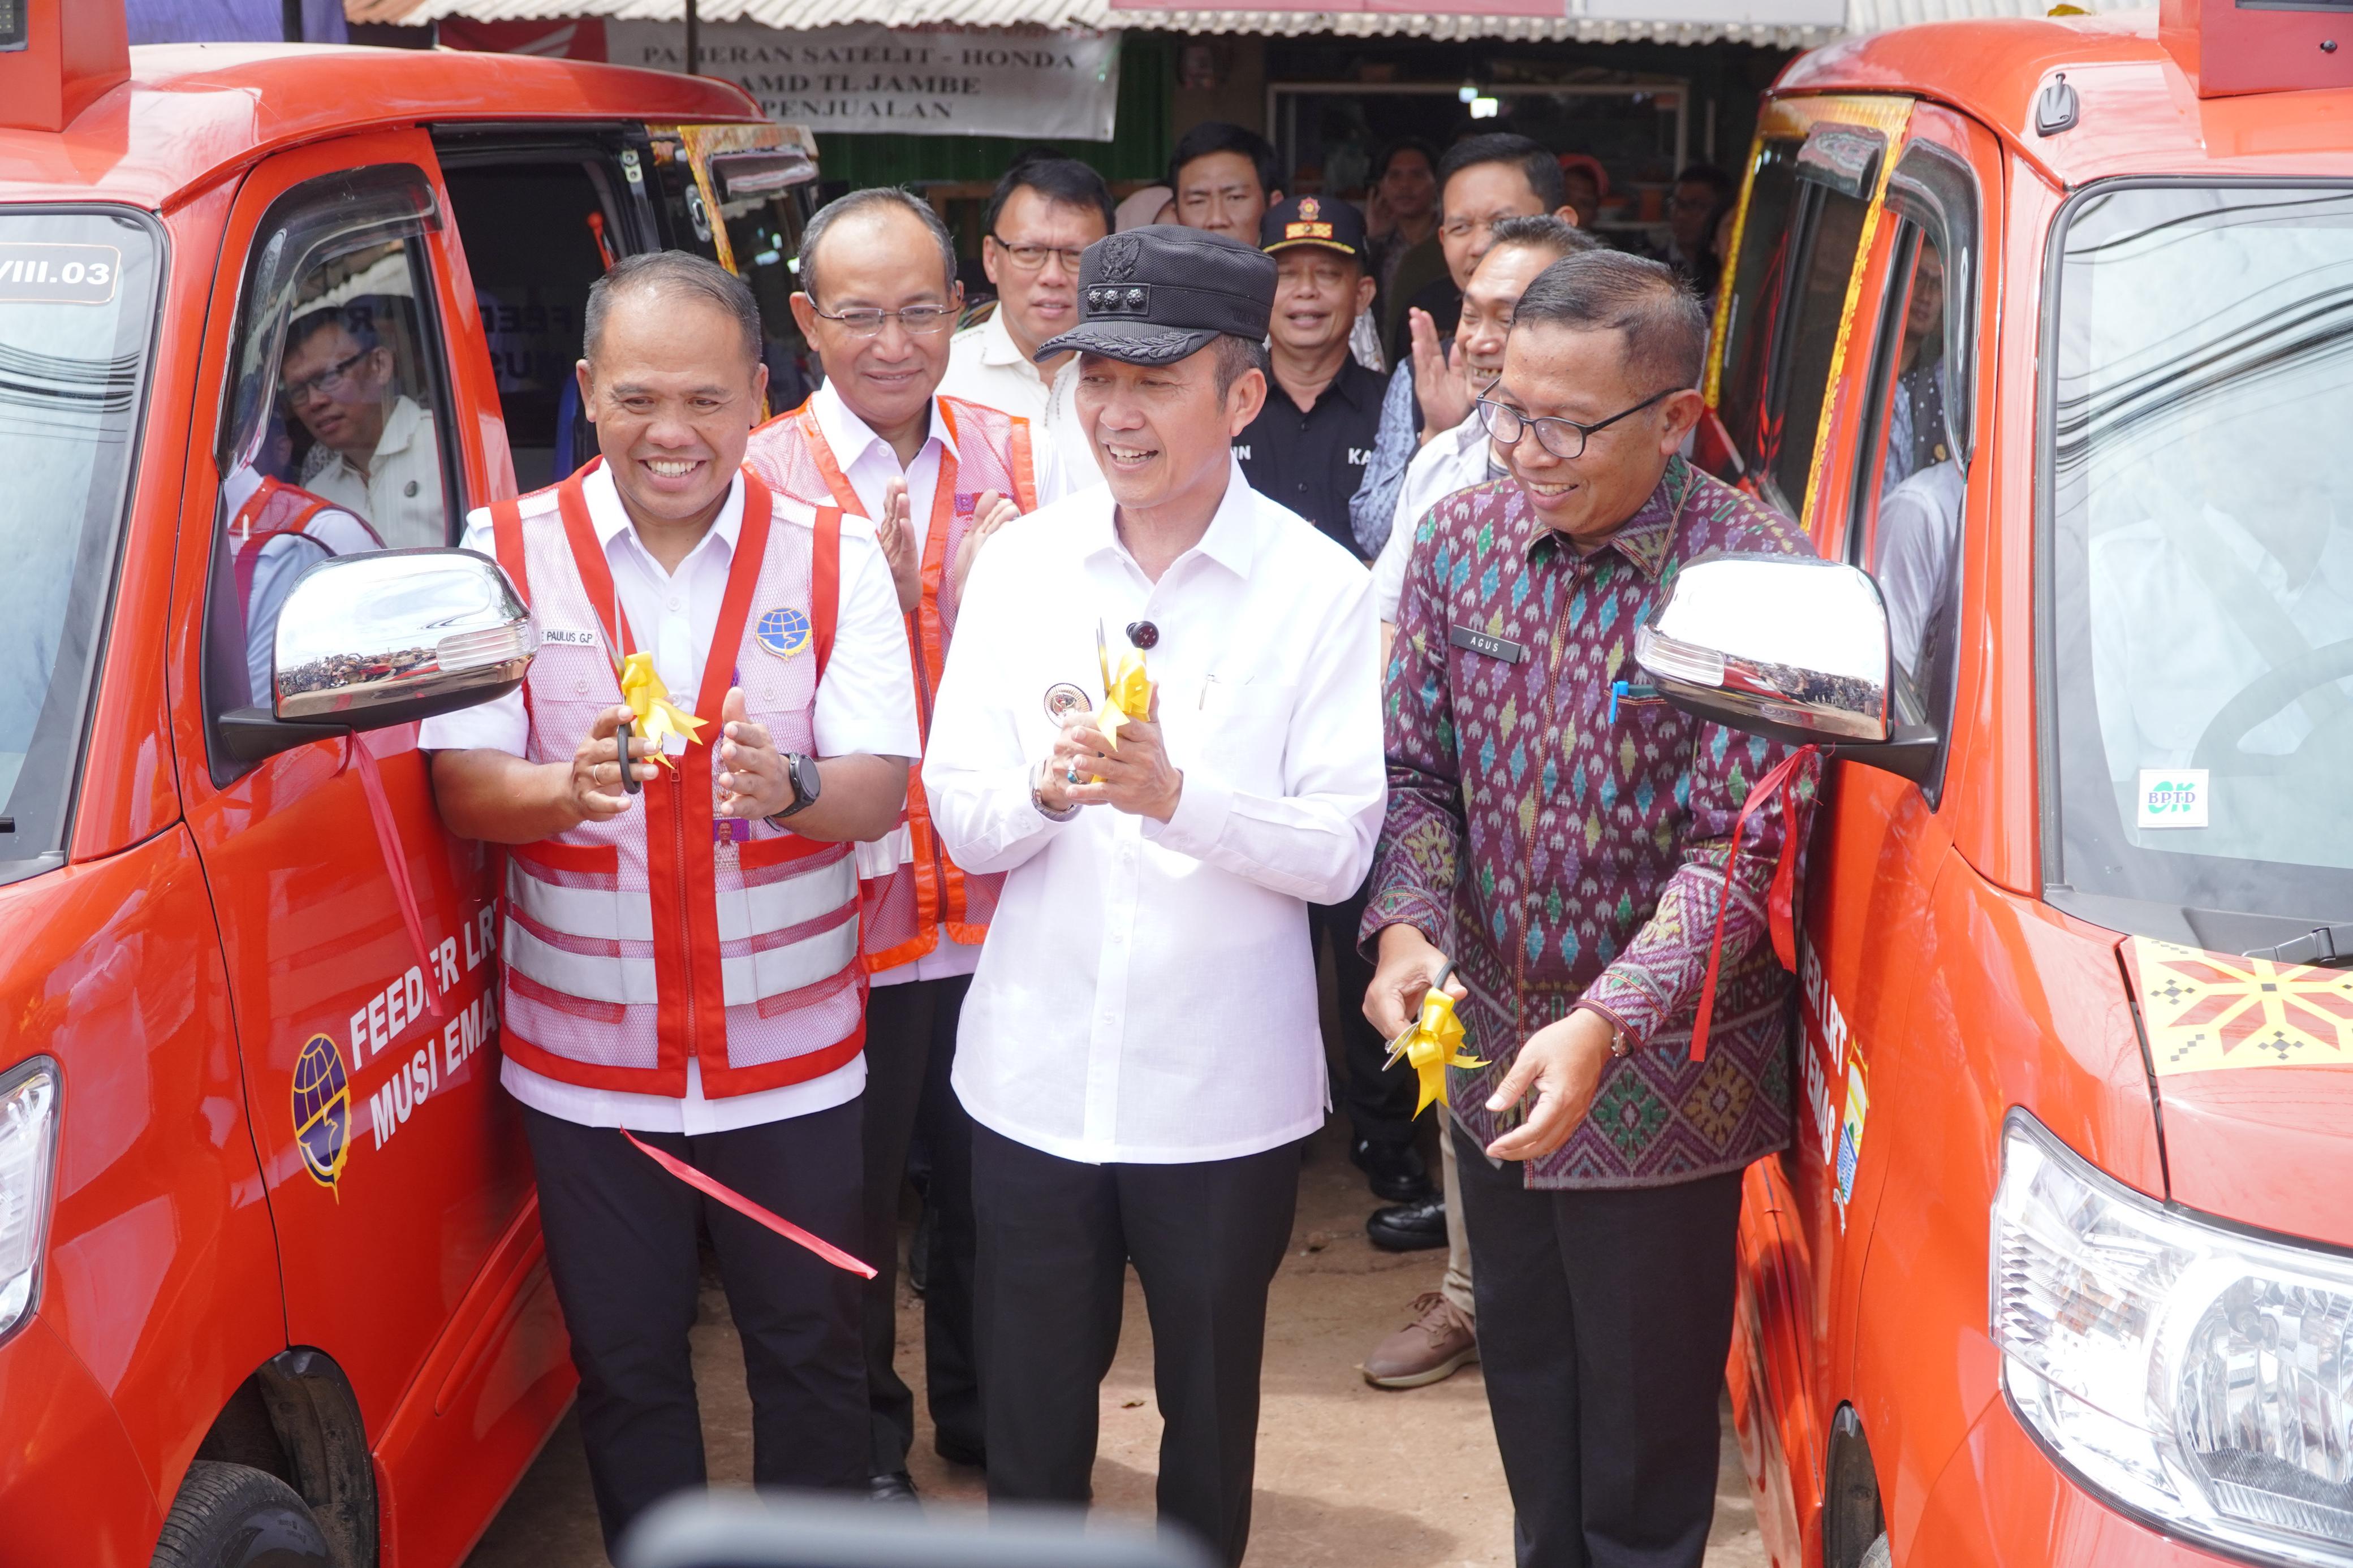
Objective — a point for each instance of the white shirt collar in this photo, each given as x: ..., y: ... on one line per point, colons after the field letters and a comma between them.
x: 611, y: 520
x: 997, y: 345
x: 1231, y: 541
x: 850, y: 437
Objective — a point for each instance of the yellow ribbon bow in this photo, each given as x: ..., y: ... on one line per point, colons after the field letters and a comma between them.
x: 1435, y: 1043
x: 657, y: 715
x: 1128, y: 697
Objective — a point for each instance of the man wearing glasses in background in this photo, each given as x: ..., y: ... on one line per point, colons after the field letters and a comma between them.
x: 938, y: 475
x: 1599, y: 1163
x: 376, y: 456
x: 1043, y: 213
x: 1482, y: 181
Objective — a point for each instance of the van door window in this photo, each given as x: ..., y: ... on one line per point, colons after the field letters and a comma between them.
x: 1910, y: 484
x: 1758, y: 278
x: 538, y: 232
x: 745, y: 212
x: 1809, y: 201
x: 335, y: 438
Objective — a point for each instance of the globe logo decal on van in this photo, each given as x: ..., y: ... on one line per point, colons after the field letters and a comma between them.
x: 783, y: 632
x: 323, y: 1109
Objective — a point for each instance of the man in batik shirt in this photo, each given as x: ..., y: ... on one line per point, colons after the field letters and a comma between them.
x: 1562, y: 834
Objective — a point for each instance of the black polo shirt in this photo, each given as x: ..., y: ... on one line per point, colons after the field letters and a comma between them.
x: 1313, y: 462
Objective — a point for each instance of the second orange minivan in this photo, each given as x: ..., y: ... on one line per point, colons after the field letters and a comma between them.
x: 2045, y: 333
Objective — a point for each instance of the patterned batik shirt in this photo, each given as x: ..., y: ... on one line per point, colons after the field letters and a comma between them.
x: 1561, y: 855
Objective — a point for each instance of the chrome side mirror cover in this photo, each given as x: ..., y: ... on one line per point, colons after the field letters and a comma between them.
x: 366, y: 642
x: 1786, y: 646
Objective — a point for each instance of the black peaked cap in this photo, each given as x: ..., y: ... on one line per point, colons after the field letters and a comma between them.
x: 1156, y: 294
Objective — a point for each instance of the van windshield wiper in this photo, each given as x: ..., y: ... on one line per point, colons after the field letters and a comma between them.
x: 2322, y: 947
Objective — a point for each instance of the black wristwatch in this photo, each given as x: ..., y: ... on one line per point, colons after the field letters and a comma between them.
x: 802, y: 771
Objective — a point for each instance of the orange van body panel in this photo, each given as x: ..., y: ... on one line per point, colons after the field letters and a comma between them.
x: 1937, y: 990
x: 160, y: 1221
x: 199, y: 937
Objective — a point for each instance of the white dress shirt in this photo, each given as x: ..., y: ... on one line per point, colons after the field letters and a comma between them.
x: 1919, y: 530
x: 865, y: 704
x: 870, y: 464
x: 987, y: 367
x: 1449, y: 461
x: 399, y: 493
x: 1147, y: 993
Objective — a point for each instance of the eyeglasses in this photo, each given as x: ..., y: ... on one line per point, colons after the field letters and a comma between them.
x: 1561, y: 437
x: 915, y: 321
x: 337, y: 376
x: 1032, y: 258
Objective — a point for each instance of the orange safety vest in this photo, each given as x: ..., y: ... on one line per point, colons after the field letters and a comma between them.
x: 670, y: 933
x: 272, y: 511
x: 908, y: 888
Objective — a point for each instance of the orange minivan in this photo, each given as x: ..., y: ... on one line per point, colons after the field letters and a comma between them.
x: 2046, y: 335
x: 271, y: 1287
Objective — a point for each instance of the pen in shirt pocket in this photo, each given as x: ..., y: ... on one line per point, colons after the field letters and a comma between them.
x: 1629, y: 690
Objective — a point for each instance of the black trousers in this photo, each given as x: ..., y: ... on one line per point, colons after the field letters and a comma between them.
x: 1380, y: 1104
x: 911, y: 1032
x: 1604, y: 1319
x: 621, y: 1248
x: 1056, y: 1238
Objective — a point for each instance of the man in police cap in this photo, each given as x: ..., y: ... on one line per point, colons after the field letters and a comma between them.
x: 1140, y: 1052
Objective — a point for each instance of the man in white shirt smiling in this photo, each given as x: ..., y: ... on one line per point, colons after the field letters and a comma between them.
x: 1141, y: 1052
x: 682, y: 962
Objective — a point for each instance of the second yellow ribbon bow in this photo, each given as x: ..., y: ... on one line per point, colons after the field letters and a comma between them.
x: 1128, y: 696
x: 1433, y: 1044
x: 657, y: 715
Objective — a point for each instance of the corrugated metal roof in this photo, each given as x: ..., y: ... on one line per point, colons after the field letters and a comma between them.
x: 1861, y: 16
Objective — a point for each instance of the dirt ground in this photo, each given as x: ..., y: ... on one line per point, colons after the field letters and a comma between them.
x: 1347, y: 1475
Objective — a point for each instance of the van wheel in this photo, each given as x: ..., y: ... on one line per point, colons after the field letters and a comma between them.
x: 1878, y: 1554
x: 234, y: 1516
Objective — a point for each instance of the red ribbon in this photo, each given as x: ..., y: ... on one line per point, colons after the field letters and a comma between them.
x: 395, y: 865
x: 748, y: 1209
x: 1781, y: 784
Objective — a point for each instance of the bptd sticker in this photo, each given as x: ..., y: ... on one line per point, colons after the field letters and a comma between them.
x: 323, y: 1109
x: 2171, y: 797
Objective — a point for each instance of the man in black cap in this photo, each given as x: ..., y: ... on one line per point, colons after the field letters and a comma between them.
x: 1307, y: 450
x: 1141, y: 1052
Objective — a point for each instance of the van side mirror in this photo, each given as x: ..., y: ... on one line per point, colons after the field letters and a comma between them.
x: 1785, y: 647
x: 366, y: 642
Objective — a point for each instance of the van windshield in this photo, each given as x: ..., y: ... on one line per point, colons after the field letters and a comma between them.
x: 76, y: 310
x: 2198, y: 687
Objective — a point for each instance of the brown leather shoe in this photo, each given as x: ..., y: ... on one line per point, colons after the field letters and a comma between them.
x: 1429, y: 1350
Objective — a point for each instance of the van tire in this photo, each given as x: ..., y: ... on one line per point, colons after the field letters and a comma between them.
x: 234, y: 1516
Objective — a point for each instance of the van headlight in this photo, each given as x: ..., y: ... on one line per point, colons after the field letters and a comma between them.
x: 28, y: 1164
x: 2198, y: 1377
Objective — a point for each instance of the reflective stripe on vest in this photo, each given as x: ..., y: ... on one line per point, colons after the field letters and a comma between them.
x: 911, y: 890
x: 273, y: 510
x: 670, y: 931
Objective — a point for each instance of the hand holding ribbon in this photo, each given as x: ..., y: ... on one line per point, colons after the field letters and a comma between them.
x: 657, y: 716
x: 1433, y: 1044
x: 1128, y: 696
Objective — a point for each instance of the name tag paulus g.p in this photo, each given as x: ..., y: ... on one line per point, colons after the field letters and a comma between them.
x: 1493, y: 647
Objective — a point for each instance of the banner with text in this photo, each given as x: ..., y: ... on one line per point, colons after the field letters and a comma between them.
x: 929, y: 81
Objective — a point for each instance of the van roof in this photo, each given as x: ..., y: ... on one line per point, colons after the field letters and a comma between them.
x: 2139, y: 112
x: 195, y: 114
